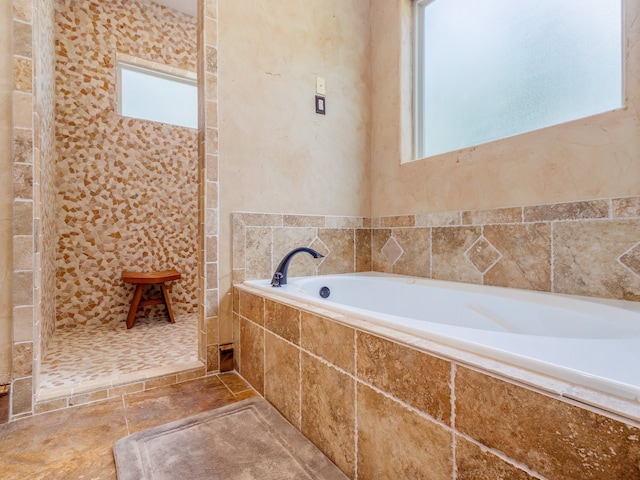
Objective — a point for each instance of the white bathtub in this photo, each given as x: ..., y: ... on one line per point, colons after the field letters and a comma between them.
x: 588, y: 343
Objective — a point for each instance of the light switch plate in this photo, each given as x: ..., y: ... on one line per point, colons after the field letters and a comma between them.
x: 321, y: 107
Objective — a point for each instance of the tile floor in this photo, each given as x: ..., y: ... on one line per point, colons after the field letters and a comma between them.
x: 76, y: 443
x: 100, y: 355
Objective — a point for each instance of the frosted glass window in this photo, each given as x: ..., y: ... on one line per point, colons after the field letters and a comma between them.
x: 156, y: 96
x: 491, y: 69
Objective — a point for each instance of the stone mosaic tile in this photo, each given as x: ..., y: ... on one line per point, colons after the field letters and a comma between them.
x: 127, y: 189
x: 45, y: 179
x: 77, y: 356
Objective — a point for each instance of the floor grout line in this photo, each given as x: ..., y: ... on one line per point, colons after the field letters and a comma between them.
x: 124, y: 413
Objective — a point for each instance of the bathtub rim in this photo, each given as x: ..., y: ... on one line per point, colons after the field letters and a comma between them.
x: 507, y: 292
x: 584, y: 397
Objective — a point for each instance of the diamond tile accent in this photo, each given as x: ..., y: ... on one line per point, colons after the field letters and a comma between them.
x: 631, y: 259
x: 482, y: 255
x: 319, y: 246
x: 392, y: 251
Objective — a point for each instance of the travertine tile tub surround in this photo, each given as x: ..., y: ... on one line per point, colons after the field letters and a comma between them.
x: 385, y: 405
x: 589, y: 248
x: 347, y: 388
x: 260, y: 240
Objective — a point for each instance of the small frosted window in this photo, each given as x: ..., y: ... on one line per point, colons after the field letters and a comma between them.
x: 156, y: 96
x: 491, y: 69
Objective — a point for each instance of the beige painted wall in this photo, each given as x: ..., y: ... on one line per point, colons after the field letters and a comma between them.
x: 6, y: 191
x: 586, y: 159
x: 276, y: 154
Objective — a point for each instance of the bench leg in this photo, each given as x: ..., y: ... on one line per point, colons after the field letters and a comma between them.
x: 167, y: 302
x: 134, y: 305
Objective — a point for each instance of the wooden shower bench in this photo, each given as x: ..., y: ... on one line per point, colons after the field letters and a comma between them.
x: 140, y: 279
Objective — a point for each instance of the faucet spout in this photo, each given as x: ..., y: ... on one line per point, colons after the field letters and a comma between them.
x: 280, y: 276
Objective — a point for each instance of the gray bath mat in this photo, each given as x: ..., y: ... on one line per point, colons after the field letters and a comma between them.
x: 244, y: 441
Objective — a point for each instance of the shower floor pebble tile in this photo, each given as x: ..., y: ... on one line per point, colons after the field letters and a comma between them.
x: 99, y: 355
